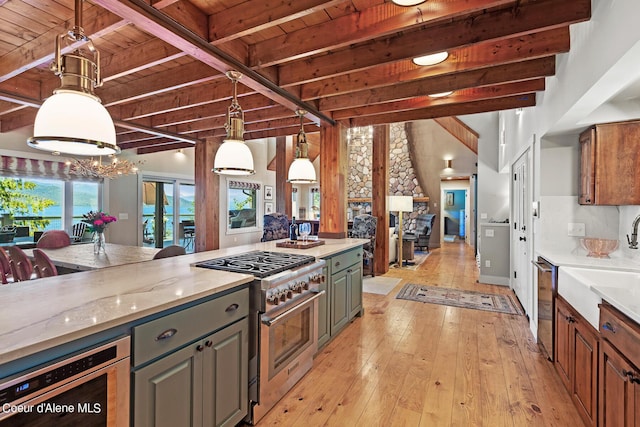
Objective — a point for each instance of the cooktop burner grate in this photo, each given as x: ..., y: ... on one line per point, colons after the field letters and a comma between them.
x: 258, y: 263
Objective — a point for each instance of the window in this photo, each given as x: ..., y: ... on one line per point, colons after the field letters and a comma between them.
x: 242, y: 202
x: 48, y: 204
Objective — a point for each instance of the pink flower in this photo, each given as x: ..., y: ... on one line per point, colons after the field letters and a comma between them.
x: 98, y: 222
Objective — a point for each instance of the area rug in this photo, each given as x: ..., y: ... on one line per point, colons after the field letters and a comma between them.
x: 459, y: 298
x: 379, y: 285
x: 418, y: 258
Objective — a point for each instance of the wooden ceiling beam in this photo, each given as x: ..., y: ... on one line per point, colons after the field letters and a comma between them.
x: 472, y: 107
x: 377, y: 21
x: 494, y: 25
x: 481, y: 55
x: 147, y: 19
x: 460, y: 131
x: 164, y: 147
x: 40, y: 50
x: 466, y: 95
x: 250, y: 17
x: 475, y: 78
x: 152, y: 141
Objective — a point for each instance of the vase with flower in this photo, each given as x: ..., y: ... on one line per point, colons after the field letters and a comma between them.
x: 98, y: 222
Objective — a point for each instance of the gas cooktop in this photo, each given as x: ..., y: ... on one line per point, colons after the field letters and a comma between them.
x: 258, y: 263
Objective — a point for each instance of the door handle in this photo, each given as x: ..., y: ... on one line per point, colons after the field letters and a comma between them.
x: 523, y: 239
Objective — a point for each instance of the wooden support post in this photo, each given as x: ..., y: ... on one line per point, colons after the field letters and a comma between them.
x: 380, y: 190
x: 207, y: 193
x: 334, y: 161
x: 284, y: 158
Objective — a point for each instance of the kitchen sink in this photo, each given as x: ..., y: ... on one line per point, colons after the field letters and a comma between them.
x: 581, y: 288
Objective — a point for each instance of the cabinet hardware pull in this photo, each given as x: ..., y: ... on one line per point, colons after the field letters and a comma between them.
x: 631, y: 376
x: 523, y: 239
x: 570, y: 319
x: 208, y: 343
x: 167, y: 334
x: 359, y: 254
x: 232, y: 307
x: 337, y: 264
x: 608, y: 327
x: 199, y: 347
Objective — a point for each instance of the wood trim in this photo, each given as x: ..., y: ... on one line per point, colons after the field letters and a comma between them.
x: 460, y: 131
x: 380, y: 190
x: 284, y: 157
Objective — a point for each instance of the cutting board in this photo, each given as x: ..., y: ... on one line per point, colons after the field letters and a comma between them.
x: 299, y: 244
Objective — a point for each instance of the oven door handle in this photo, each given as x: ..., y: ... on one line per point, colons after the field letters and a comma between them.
x: 269, y: 321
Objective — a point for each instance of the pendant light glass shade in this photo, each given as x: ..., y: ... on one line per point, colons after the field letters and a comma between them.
x: 433, y: 59
x: 73, y: 120
x: 234, y: 157
x: 60, y: 128
x: 408, y: 2
x: 301, y: 170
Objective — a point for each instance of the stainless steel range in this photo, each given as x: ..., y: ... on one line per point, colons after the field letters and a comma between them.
x: 283, y: 321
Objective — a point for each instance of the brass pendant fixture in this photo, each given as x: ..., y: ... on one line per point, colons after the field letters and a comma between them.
x: 73, y: 120
x: 301, y: 170
x: 234, y: 157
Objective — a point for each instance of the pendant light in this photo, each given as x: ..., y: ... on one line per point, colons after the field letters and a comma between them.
x: 73, y: 120
x: 301, y: 170
x: 234, y: 157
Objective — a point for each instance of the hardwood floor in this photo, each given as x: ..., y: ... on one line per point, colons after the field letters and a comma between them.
x: 406, y: 363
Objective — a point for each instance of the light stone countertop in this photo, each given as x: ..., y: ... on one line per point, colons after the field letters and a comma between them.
x: 41, y: 314
x: 625, y: 300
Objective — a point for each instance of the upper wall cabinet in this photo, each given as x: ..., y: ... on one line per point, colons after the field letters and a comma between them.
x: 609, y: 164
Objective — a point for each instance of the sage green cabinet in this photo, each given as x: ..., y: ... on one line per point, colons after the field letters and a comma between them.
x: 343, y: 299
x: 323, y: 313
x: 202, y: 382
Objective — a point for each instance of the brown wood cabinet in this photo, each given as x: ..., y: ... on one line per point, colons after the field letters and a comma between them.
x: 609, y: 162
x: 576, y: 359
x: 619, y: 383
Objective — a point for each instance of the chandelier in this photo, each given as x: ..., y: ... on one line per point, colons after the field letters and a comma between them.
x: 95, y: 168
x: 360, y: 135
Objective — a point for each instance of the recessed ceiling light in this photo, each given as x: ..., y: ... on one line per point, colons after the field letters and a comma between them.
x: 441, y: 94
x: 433, y: 59
x: 408, y: 2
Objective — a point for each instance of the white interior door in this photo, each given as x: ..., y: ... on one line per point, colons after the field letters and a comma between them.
x: 521, y: 236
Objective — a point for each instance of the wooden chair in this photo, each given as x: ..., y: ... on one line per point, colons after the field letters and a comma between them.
x: 43, y: 265
x: 77, y: 231
x: 21, y: 267
x: 169, y: 251
x: 53, y: 239
x: 5, y: 267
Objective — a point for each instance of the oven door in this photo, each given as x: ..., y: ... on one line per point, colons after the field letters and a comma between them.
x: 288, y: 342
x: 99, y: 398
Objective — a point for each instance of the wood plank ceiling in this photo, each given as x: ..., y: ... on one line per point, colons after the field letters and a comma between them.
x: 163, y: 61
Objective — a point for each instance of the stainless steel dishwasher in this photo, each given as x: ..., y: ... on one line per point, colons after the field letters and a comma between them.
x: 547, y: 290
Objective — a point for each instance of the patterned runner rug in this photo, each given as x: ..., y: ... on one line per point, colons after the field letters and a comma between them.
x: 459, y: 298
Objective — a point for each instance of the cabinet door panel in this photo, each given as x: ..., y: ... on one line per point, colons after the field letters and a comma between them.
x: 323, y: 314
x: 355, y: 290
x: 225, y: 376
x: 563, y: 342
x: 585, y: 371
x: 617, y: 394
x: 339, y: 301
x: 167, y: 392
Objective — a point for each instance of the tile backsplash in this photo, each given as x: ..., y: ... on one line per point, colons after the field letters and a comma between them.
x: 556, y: 212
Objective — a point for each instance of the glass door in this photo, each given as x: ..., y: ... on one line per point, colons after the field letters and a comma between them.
x: 157, y: 214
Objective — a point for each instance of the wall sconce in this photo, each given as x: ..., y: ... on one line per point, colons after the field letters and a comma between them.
x: 447, y: 163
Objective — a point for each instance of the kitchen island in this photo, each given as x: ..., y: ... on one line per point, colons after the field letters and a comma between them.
x: 45, y: 313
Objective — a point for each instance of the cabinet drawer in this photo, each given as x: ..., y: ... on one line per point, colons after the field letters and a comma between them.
x: 346, y: 259
x: 184, y: 326
x: 620, y: 331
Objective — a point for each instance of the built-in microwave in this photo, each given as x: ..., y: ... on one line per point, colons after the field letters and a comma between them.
x: 89, y: 389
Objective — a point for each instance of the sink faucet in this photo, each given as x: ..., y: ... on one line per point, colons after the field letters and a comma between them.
x: 633, y: 241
